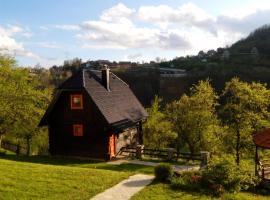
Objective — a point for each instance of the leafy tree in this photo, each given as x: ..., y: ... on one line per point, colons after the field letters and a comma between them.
x: 194, y: 118
x: 22, y: 101
x: 6, y: 64
x: 157, y: 130
x: 244, y: 110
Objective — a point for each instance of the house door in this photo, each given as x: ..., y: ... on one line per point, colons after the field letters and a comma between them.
x: 112, y: 145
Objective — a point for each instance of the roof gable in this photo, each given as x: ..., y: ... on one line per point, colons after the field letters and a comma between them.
x: 262, y: 138
x: 116, y: 105
x: 119, y: 106
x: 74, y: 82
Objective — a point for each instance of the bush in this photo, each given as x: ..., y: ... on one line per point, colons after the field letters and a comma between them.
x: 163, y: 172
x: 222, y: 174
x: 225, y: 175
x: 190, y: 180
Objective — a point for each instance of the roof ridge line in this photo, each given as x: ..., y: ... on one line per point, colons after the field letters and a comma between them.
x: 120, y: 79
x: 83, y: 78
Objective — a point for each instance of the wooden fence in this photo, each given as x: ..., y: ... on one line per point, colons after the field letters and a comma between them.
x: 264, y: 169
x: 169, y: 154
x: 13, y: 147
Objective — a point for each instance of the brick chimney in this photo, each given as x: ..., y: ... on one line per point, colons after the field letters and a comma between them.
x: 105, y: 76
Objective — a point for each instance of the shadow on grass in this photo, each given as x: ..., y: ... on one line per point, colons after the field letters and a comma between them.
x: 126, y: 167
x: 72, y: 162
x: 47, y: 160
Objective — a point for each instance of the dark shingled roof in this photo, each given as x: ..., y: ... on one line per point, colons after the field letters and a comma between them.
x: 119, y: 106
x: 262, y: 138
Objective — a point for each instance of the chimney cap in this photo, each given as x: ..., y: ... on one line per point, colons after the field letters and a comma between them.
x: 105, y: 67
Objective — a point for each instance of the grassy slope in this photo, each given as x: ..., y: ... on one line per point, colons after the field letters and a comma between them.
x: 47, y: 178
x: 160, y: 191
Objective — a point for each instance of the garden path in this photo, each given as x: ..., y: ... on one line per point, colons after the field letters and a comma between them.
x: 147, y: 163
x: 126, y: 188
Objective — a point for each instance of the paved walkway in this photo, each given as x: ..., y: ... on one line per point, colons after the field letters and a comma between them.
x: 140, y: 162
x: 125, y: 189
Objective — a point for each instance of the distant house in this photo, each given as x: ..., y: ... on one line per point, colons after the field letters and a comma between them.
x: 93, y: 114
x: 172, y: 72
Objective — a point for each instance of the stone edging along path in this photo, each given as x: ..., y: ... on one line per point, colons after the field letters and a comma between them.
x: 126, y: 188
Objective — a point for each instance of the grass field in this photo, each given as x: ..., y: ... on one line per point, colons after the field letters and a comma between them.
x: 161, y: 191
x: 55, y: 178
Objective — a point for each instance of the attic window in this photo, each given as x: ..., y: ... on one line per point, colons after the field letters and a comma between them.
x: 76, y: 101
x: 77, y: 130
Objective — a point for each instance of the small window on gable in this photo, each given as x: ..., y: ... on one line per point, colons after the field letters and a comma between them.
x: 76, y: 101
x: 77, y: 130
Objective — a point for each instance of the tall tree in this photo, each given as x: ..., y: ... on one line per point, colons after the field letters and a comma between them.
x: 6, y: 65
x: 194, y: 118
x: 244, y: 110
x: 22, y: 101
x: 157, y: 130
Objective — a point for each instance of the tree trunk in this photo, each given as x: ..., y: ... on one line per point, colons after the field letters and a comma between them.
x: 18, y: 149
x: 1, y: 137
x: 178, y: 146
x: 237, y: 147
x: 256, y: 161
x: 28, y: 145
x: 191, y: 149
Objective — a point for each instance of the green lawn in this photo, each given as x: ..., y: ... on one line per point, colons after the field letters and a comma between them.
x: 160, y: 191
x: 43, y: 177
x: 55, y: 178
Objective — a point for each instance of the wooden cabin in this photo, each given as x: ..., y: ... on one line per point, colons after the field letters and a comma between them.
x: 93, y: 114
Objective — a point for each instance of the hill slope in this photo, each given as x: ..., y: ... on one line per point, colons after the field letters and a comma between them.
x: 260, y: 38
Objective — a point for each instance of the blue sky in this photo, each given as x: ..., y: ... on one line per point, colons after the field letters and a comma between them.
x: 49, y: 32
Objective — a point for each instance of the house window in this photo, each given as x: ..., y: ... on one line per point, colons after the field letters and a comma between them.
x: 76, y: 101
x: 77, y: 130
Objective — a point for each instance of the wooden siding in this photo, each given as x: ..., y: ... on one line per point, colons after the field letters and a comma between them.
x: 94, y: 141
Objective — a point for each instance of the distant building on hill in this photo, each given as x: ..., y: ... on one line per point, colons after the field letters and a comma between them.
x: 172, y: 72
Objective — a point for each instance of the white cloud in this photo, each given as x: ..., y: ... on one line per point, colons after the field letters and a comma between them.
x: 50, y: 45
x: 18, y: 30
x: 123, y: 35
x: 116, y: 12
x: 186, y: 28
x: 8, y: 43
x: 134, y: 56
x: 246, y: 23
x: 44, y: 28
x: 116, y: 30
x: 66, y: 27
x: 188, y: 15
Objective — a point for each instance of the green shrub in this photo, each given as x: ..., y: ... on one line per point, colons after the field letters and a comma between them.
x: 227, y: 174
x: 189, y: 180
x: 222, y: 174
x: 163, y: 172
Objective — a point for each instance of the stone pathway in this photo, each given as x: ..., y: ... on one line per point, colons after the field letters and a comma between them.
x: 126, y: 188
